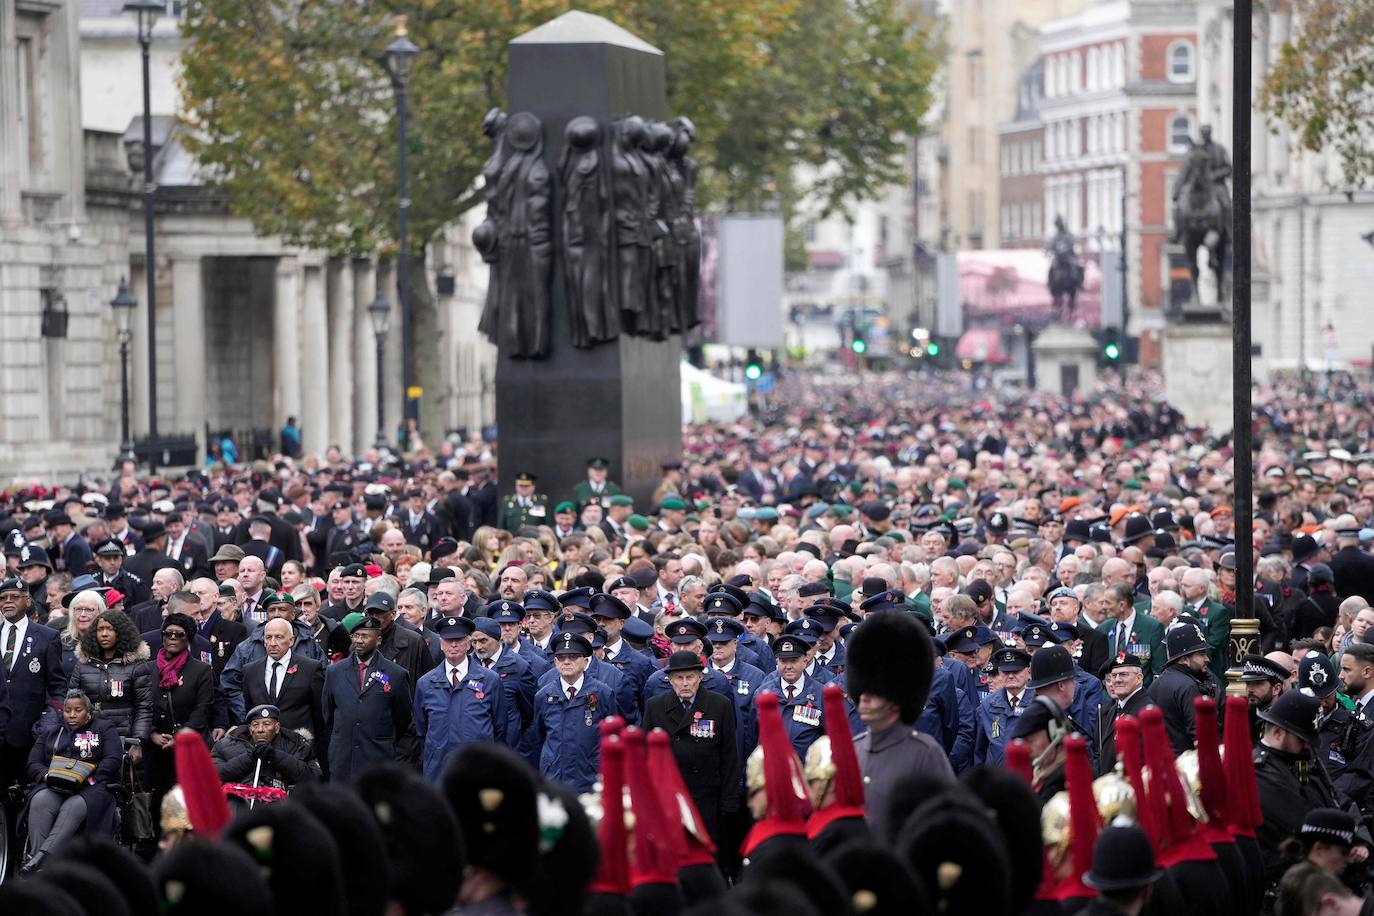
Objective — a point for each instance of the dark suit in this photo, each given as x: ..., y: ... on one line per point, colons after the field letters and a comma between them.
x: 194, y: 560
x: 1104, y: 734
x: 1354, y: 572
x: 299, y: 693
x: 704, y: 745
x: 224, y: 637
x: 35, y: 681
x: 76, y: 557
x: 1092, y: 654
x: 1145, y: 642
x: 283, y: 536
x: 148, y: 561
x: 272, y: 558
x: 423, y: 533
x: 146, y: 616
x: 407, y: 648
x: 368, y: 723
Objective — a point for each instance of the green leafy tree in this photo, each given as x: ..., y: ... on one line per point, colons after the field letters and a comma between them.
x: 292, y: 112
x: 1322, y: 86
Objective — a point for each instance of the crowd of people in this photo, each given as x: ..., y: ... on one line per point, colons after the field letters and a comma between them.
x: 891, y: 645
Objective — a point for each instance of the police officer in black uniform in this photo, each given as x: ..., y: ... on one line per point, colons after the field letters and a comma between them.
x: 1343, y: 744
x: 110, y: 573
x: 1185, y: 676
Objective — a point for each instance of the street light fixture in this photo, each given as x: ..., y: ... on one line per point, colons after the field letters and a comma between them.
x: 399, y: 58
x: 123, y: 305
x: 146, y: 13
x: 379, y: 313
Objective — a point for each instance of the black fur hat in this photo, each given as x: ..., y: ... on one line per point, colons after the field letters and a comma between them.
x: 957, y: 852
x: 909, y: 792
x: 492, y: 792
x: 891, y: 656
x: 116, y: 863
x: 879, y: 883
x: 800, y: 868
x: 36, y: 896
x: 422, y: 838
x: 355, y: 832
x: 91, y: 889
x: 1017, y: 812
x: 295, y: 853
x: 209, y: 879
x: 568, y: 854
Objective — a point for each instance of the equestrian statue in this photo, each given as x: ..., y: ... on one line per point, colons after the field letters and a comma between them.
x: 1066, y: 272
x: 1202, y: 211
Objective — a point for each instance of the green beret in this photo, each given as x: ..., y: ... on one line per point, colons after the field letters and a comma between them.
x: 351, y: 621
x: 565, y: 506
x: 1131, y: 485
x: 843, y: 510
x: 672, y: 503
x: 957, y: 484
x: 703, y: 505
x: 856, y: 486
x: 692, y: 518
x: 620, y: 499
x: 638, y: 522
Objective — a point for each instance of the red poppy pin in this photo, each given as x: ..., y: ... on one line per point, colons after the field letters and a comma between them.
x: 591, y: 702
x: 480, y: 694
x: 291, y: 670
x: 697, y: 714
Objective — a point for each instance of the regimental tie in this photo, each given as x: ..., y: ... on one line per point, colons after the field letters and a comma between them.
x: 11, y: 640
x: 572, y: 693
x: 791, y: 692
x: 273, y: 687
x: 453, y: 677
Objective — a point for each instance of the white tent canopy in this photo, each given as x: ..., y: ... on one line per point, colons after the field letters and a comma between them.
x: 708, y: 399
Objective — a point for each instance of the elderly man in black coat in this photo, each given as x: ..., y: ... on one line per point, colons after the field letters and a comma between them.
x: 702, y: 727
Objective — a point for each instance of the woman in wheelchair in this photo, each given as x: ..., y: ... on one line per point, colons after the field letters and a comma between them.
x: 71, y: 768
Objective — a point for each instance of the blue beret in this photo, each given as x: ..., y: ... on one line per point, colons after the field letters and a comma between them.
x: 489, y: 627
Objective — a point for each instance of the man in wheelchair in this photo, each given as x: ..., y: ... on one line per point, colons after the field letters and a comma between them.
x: 73, y: 773
x: 261, y: 753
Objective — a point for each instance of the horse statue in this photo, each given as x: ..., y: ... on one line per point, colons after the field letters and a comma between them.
x: 1066, y: 272
x: 1202, y: 215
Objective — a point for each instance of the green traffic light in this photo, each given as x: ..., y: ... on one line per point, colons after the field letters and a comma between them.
x: 1112, y: 351
x: 753, y: 372
x: 932, y: 349
x: 859, y: 346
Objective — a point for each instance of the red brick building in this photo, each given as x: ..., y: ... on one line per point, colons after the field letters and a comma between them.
x: 1021, y: 145
x: 1118, y: 108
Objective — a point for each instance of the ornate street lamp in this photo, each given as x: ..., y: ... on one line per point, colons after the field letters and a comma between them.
x: 379, y: 313
x: 399, y: 57
x: 146, y: 13
x: 123, y: 305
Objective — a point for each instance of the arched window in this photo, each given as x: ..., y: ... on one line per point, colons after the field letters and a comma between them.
x: 1180, y: 133
x: 1181, y: 62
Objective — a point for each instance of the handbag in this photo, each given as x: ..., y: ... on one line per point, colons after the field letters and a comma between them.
x: 68, y: 774
x: 136, y: 807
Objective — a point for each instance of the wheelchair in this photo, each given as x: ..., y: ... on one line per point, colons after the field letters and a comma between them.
x: 14, y: 836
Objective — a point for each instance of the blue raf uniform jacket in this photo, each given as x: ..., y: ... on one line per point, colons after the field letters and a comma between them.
x: 476, y: 711
x: 519, y: 682
x: 608, y: 674
x: 569, y: 731
x: 36, y: 683
x: 961, y: 757
x: 995, y: 719
x: 765, y: 662
x: 1087, y: 696
x: 541, y: 660
x: 836, y: 665
x: 744, y: 681
x: 368, y: 725
x: 940, y: 719
x: 804, y: 716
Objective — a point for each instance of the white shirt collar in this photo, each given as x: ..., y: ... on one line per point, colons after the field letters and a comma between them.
x: 576, y: 685
x: 1364, y: 700
x: 22, y: 624
x: 727, y: 668
x: 496, y: 656
x: 449, y: 668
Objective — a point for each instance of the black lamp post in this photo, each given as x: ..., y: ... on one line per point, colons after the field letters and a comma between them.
x: 379, y: 313
x: 146, y: 13
x: 399, y: 58
x: 123, y: 304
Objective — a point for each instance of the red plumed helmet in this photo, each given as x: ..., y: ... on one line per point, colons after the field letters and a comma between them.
x: 1242, y: 790
x: 206, y: 807
x: 1128, y: 749
x: 613, y: 868
x: 849, y: 784
x: 1018, y: 759
x: 1211, y: 777
x: 677, y: 801
x: 1083, y: 817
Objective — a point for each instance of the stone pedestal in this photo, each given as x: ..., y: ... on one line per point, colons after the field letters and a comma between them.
x: 1065, y: 360
x: 618, y: 400
x: 1197, y: 371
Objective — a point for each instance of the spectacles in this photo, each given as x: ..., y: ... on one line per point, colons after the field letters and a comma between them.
x: 172, y: 634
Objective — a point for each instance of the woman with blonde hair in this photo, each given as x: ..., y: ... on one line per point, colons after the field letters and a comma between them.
x: 490, y: 541
x: 83, y: 608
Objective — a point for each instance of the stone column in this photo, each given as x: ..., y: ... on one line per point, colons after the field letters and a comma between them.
x: 315, y: 429
x: 11, y: 147
x: 339, y: 294
x: 364, y: 358
x: 286, y: 351
x: 189, y: 354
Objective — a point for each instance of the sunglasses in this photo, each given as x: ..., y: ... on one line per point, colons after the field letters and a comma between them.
x: 172, y: 634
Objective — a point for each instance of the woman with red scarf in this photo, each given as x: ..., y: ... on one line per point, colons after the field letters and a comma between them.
x: 184, y: 698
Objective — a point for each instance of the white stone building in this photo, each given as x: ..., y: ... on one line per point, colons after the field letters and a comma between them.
x: 249, y: 329
x: 1313, y: 268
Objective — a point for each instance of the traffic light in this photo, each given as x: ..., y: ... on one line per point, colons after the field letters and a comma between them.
x: 1111, y: 346
x: 753, y: 366
x: 932, y: 349
x: 859, y: 345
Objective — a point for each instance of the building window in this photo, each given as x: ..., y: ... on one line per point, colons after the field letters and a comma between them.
x: 1181, y: 62
x: 1119, y: 64
x: 1180, y: 133
x: 809, y: 233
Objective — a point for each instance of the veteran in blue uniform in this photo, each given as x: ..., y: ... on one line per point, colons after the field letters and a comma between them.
x: 799, y: 695
x: 575, y: 621
x: 569, y: 713
x: 460, y: 702
x: 610, y: 613
x: 1001, y: 708
x: 510, y: 615
x: 744, y: 680
x: 367, y: 708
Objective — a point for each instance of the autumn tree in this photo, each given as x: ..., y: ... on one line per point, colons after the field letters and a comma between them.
x: 1322, y: 86
x: 291, y: 110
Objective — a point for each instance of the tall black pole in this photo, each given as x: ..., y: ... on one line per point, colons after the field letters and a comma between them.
x: 1240, y: 310
x: 412, y: 405
x: 125, y: 443
x: 381, y: 402
x: 145, y: 39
